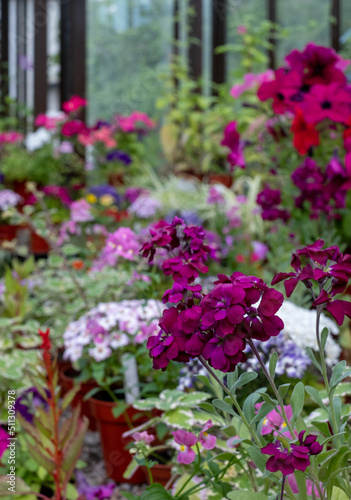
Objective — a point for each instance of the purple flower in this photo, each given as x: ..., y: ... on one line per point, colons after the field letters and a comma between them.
x: 8, y: 199
x: 186, y: 440
x: 117, y: 155
x: 280, y: 459
x: 269, y: 200
x: 235, y: 144
x: 145, y: 206
x: 80, y: 211
x: 310, y: 441
x: 143, y: 436
x: 30, y: 399
x: 207, y: 440
x: 105, y: 190
x: 93, y: 492
x: 3, y: 441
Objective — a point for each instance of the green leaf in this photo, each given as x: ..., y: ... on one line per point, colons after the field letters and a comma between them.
x: 313, y: 359
x: 249, y: 406
x: 156, y: 492
x: 315, y: 395
x: 297, y: 400
x: 69, y: 396
x: 258, y: 459
x: 301, y: 485
x: 119, y: 409
x: 273, y: 364
x: 222, y: 405
x: 337, y: 372
x: 232, y: 378
x: 244, y: 379
x: 338, y: 494
x: 245, y: 495
x: 324, y: 336
x: 283, y: 389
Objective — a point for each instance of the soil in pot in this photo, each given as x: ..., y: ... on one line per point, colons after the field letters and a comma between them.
x: 116, y: 456
x: 67, y: 377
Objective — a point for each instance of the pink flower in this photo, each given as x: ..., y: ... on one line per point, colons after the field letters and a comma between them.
x: 241, y: 29
x: 260, y: 250
x: 3, y: 441
x: 74, y: 127
x: 186, y: 440
x: 207, y: 440
x: 143, y: 436
x: 327, y: 101
x: 10, y: 137
x: 74, y: 103
x: 233, y: 142
x: 80, y: 211
x: 250, y: 81
x: 129, y: 123
x: 274, y: 422
x: 310, y: 486
x: 48, y: 122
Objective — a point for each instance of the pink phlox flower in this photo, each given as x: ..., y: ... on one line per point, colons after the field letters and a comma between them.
x: 186, y: 440
x: 207, y: 440
x: 143, y: 436
x: 80, y: 211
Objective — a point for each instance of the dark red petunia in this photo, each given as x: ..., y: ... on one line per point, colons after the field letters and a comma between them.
x: 305, y: 134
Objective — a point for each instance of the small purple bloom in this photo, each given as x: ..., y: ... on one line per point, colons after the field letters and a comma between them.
x: 30, y: 399
x: 121, y: 156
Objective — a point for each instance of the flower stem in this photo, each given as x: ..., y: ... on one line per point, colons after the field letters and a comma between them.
x: 235, y: 402
x: 282, y: 490
x: 325, y: 377
x: 274, y: 387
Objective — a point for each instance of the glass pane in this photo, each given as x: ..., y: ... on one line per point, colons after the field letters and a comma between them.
x: 345, y: 30
x: 241, y: 14
x: 129, y: 43
x: 307, y: 21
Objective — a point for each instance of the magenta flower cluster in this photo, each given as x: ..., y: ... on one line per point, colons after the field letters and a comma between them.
x: 185, y: 243
x: 325, y: 191
x: 298, y: 458
x: 327, y: 267
x: 270, y: 203
x: 313, y: 82
x: 216, y: 326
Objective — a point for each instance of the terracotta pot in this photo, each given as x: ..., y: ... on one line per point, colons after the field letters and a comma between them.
x: 116, y: 457
x: 225, y: 179
x: 39, y: 246
x: 7, y: 233
x: 67, y: 377
x: 161, y: 473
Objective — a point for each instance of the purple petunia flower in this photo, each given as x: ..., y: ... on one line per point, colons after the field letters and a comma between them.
x: 117, y: 155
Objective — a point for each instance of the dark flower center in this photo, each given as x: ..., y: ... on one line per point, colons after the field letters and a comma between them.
x: 326, y: 105
x: 280, y: 96
x: 252, y: 312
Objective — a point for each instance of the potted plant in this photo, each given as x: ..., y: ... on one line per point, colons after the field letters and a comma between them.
x: 107, y: 344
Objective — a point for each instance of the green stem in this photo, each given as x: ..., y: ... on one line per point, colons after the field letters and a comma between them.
x: 116, y: 400
x: 197, y: 466
x: 282, y: 490
x: 151, y: 479
x: 325, y: 378
x: 235, y: 402
x: 272, y: 384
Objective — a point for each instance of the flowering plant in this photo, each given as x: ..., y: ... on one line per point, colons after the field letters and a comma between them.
x: 215, y: 328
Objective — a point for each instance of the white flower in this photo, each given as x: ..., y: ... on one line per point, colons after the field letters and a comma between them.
x: 36, y: 140
x: 101, y: 351
x: 8, y: 199
x: 300, y: 326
